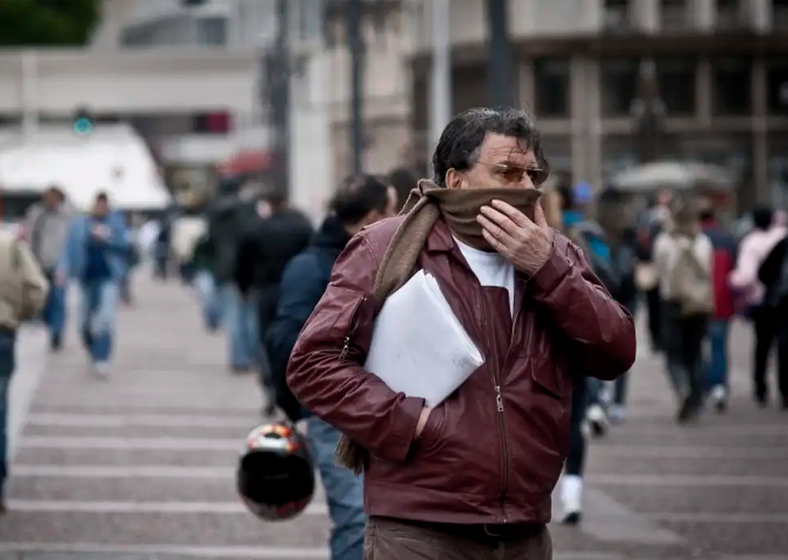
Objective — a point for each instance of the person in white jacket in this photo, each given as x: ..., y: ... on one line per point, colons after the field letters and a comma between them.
x: 685, y: 322
x: 755, y: 247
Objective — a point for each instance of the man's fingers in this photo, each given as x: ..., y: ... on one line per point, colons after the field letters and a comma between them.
x: 494, y: 243
x: 500, y: 219
x: 539, y: 217
x: 494, y: 229
x: 512, y: 213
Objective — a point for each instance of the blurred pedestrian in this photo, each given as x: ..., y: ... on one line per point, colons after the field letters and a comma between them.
x: 361, y: 201
x: 235, y: 212
x: 24, y: 287
x: 613, y: 214
x: 590, y: 237
x: 724, y: 255
x: 46, y: 230
x: 96, y: 256
x: 404, y: 181
x: 773, y: 274
x: 753, y: 251
x: 683, y: 257
x: 655, y: 220
x: 202, y: 263
x: 277, y: 236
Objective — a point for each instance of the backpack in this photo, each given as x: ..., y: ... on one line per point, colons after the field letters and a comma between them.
x: 588, y: 237
x: 778, y: 292
x: 690, y: 285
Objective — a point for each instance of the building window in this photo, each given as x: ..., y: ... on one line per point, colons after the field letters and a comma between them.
x: 212, y: 31
x: 730, y: 14
x: 619, y: 77
x: 673, y: 14
x: 617, y: 15
x: 731, y: 86
x: 552, y: 82
x: 780, y: 14
x: 676, y: 79
x: 777, y: 85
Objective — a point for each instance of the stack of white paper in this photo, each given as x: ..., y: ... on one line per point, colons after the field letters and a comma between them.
x: 419, y: 346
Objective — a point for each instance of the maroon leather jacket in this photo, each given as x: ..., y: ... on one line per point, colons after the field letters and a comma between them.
x: 493, y: 451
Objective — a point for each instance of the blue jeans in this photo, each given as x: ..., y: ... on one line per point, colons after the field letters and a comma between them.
x: 240, y: 315
x: 717, y: 364
x: 344, y: 493
x: 99, y: 307
x: 7, y: 365
x: 209, y: 299
x: 55, y: 310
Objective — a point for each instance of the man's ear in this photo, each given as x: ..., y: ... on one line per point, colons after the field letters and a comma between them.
x: 453, y: 179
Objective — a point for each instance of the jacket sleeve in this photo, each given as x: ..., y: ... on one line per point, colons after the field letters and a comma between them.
x: 600, y: 331
x: 325, y: 371
x: 300, y: 290
x: 34, y: 284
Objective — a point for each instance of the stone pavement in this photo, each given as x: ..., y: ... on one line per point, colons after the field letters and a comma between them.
x: 141, y: 466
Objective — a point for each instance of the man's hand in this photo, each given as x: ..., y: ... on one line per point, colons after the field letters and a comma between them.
x: 424, y: 415
x: 525, y: 243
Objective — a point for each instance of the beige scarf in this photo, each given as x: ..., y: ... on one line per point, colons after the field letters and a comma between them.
x: 459, y: 207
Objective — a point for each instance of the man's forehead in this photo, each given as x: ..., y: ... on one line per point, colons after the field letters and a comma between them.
x: 507, y: 148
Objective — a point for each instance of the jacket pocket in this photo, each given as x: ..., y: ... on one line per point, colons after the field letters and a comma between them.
x: 431, y: 438
x: 550, y: 377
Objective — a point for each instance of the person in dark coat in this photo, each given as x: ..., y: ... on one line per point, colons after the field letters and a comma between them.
x: 773, y: 274
x: 362, y: 201
x: 263, y: 254
x: 231, y: 215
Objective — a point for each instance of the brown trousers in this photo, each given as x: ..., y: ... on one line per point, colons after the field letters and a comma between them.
x: 391, y: 539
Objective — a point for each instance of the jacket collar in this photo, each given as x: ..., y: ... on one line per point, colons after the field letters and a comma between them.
x: 440, y: 239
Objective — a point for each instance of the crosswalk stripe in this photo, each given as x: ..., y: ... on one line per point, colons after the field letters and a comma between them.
x: 146, y: 420
x: 224, y: 508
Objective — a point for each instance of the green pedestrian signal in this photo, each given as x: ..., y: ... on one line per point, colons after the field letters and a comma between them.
x: 82, y: 123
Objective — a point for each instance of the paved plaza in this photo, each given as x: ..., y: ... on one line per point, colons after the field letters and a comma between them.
x: 141, y: 466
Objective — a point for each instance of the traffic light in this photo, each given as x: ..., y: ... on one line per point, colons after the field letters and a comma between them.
x: 192, y: 2
x: 82, y: 122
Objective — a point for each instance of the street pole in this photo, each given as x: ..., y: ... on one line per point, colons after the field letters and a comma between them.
x: 500, y: 56
x: 354, y: 16
x: 441, y: 84
x: 278, y: 85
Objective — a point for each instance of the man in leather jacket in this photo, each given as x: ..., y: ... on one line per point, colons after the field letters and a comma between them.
x: 472, y: 477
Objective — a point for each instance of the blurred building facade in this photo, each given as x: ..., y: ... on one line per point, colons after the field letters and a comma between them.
x: 721, y: 66
x: 320, y: 85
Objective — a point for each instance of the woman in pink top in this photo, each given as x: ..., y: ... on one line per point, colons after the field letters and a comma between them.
x: 770, y: 229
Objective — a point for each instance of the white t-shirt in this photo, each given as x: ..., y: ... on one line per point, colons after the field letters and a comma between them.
x: 491, y: 269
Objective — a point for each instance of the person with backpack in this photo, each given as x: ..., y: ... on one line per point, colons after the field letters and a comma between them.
x: 361, y: 201
x: 470, y: 476
x: 683, y: 258
x: 773, y: 274
x: 756, y: 246
x: 23, y: 292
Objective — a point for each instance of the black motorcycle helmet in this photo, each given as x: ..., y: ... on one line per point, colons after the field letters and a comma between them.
x: 275, y: 475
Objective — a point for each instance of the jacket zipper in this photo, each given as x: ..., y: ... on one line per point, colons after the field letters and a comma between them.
x: 499, y: 409
x: 352, y: 329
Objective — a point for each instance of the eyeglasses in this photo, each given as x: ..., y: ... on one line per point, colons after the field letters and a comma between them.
x: 514, y: 173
